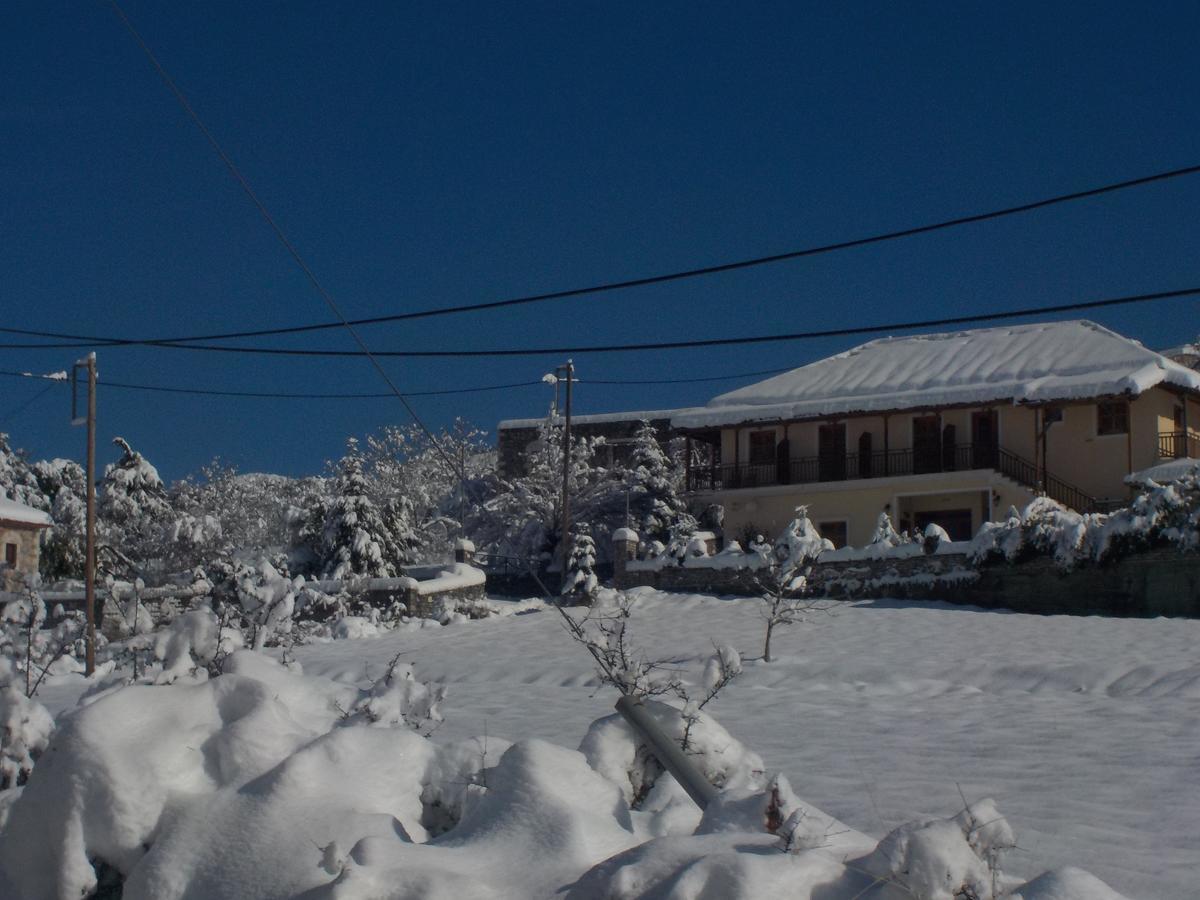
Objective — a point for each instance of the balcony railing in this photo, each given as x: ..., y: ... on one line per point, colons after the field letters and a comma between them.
x: 1177, y: 445
x: 882, y: 464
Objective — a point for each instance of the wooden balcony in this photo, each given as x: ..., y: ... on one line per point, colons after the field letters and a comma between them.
x: 1177, y: 445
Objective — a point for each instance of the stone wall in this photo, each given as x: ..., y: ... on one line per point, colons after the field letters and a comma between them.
x: 26, y: 539
x: 1158, y: 582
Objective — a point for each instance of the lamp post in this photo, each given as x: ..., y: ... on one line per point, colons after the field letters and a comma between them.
x: 565, y: 372
x: 89, y: 419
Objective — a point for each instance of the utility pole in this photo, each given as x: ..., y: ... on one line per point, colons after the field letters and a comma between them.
x: 569, y: 369
x: 89, y: 362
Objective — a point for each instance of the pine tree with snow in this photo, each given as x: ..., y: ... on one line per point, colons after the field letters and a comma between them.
x: 653, y: 482
x: 17, y: 478
x: 580, y: 583
x: 356, y: 538
x: 64, y: 483
x: 133, y: 510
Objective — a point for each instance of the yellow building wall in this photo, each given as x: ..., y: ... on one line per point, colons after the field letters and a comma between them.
x: 859, y: 503
x: 1075, y: 453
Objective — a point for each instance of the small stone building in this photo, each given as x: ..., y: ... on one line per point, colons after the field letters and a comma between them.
x: 20, y: 545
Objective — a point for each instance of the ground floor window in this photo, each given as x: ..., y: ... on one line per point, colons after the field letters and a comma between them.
x: 835, y: 531
x: 10, y: 554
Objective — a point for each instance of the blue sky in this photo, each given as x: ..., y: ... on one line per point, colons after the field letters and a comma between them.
x: 423, y: 155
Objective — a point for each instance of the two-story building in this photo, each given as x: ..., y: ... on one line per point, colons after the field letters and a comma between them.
x: 947, y: 428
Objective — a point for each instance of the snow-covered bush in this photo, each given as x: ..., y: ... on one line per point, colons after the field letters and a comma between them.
x: 1160, y: 515
x: 885, y: 534
x: 31, y: 649
x: 398, y: 698
x: 799, y: 544
x: 192, y: 644
x: 945, y: 859
x: 25, y: 729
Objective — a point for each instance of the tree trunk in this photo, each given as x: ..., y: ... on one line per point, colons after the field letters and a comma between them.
x: 767, y: 643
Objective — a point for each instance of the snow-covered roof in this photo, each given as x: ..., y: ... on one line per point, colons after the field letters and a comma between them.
x: 1050, y: 361
x: 649, y: 415
x: 12, y: 511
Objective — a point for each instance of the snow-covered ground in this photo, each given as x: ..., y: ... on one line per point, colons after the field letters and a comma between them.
x: 1084, y: 730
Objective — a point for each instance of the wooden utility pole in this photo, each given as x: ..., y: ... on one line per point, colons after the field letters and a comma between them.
x: 89, y: 362
x: 566, y: 451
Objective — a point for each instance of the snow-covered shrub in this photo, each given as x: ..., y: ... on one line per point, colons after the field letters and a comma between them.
x: 799, y: 544
x: 192, y: 644
x: 580, y: 582
x: 885, y: 534
x: 398, y: 698
x: 29, y: 650
x: 933, y: 537
x: 25, y: 729
x: 945, y: 859
x: 1160, y: 515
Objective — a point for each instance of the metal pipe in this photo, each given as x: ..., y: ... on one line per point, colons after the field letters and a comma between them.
x: 666, y: 751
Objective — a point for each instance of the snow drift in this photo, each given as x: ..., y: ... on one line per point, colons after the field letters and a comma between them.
x: 265, y: 782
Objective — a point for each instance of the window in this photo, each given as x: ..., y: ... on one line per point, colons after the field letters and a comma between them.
x: 1112, y: 418
x: 762, y: 448
x: 10, y: 554
x: 834, y: 531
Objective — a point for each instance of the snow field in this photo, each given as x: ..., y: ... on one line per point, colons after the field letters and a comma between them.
x: 893, y: 721
x: 1083, y: 729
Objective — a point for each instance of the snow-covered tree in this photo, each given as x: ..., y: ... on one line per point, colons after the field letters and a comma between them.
x: 64, y: 483
x: 18, y: 480
x: 580, y: 583
x: 133, y: 510
x: 356, y: 537
x: 783, y: 585
x: 525, y: 518
x: 427, y: 482
x: 653, y: 482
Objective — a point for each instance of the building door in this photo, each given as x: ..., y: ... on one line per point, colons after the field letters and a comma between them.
x: 864, y: 455
x: 956, y: 522
x: 927, y: 444
x: 985, y: 439
x: 831, y: 451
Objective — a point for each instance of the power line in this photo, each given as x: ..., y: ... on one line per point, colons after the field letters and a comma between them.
x: 676, y: 345
x: 283, y: 239
x: 604, y: 287
x: 282, y: 395
x: 21, y: 407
